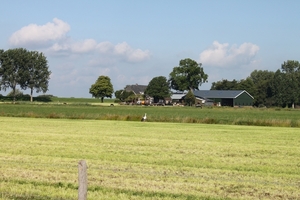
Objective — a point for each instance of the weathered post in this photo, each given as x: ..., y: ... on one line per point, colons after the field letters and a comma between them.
x: 82, y: 180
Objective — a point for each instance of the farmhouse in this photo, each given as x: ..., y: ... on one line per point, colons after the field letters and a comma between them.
x: 139, y: 91
x: 136, y: 89
x: 225, y: 97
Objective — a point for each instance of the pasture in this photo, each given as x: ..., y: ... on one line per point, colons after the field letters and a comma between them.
x: 151, y: 160
x: 103, y: 111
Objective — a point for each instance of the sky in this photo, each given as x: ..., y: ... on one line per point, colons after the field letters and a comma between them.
x: 134, y: 41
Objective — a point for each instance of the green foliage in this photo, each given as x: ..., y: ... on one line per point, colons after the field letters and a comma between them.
x: 102, y: 88
x: 262, y: 87
x: 118, y: 94
x: 28, y: 69
x: 16, y: 93
x: 124, y: 95
x: 38, y: 74
x: 158, y: 88
x: 244, y: 84
x: 188, y: 75
x: 13, y: 68
x: 290, y: 67
x: 190, y: 98
x: 286, y: 84
x: 225, y: 85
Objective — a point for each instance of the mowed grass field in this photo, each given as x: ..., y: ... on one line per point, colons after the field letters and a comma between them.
x: 147, y: 160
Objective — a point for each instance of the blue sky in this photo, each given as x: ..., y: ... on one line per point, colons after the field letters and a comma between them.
x: 135, y: 41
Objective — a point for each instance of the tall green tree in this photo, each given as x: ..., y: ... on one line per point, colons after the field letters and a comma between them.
x: 188, y: 75
x: 102, y: 88
x: 286, y: 84
x: 38, y: 73
x: 13, y: 69
x: 28, y: 69
x: 278, y: 88
x: 290, y: 67
x: 158, y: 88
x: 262, y: 83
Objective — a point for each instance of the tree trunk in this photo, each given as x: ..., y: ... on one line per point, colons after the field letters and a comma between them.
x: 102, y: 99
x: 14, y: 95
x: 31, y: 92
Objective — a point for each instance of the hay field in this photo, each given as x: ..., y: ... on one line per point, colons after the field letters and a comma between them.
x: 152, y: 160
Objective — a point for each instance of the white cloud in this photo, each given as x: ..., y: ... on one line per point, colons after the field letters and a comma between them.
x: 223, y: 55
x: 34, y: 34
x: 52, y: 37
x: 105, y: 47
x: 85, y: 46
x: 109, y: 51
x: 131, y: 55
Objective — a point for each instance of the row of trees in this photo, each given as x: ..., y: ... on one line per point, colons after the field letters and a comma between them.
x: 23, y: 68
x: 279, y: 88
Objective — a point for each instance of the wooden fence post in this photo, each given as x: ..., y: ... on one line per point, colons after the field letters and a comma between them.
x: 82, y: 180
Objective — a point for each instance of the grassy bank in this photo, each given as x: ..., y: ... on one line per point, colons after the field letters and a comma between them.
x: 104, y: 111
x: 135, y: 160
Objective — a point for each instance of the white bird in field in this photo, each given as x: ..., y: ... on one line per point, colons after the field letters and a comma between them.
x: 144, y: 118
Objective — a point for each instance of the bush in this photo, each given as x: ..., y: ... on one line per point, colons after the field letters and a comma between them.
x: 18, y: 93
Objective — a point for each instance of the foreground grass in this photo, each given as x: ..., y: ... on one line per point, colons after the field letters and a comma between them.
x: 134, y: 160
x: 104, y: 111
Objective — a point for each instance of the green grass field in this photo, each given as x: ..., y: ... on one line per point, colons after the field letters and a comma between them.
x: 208, y: 115
x: 151, y: 160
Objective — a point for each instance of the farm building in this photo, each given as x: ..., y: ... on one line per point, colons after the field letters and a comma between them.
x: 177, y: 97
x: 136, y: 89
x: 226, y: 97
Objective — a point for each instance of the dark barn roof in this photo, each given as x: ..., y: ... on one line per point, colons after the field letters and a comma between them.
x: 137, y: 89
x: 220, y: 94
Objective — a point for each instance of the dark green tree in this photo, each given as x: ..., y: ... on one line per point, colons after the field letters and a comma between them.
x: 190, y: 98
x: 290, y: 67
x: 278, y: 88
x: 246, y: 84
x: 225, y: 85
x: 118, y: 94
x: 262, y: 83
x: 102, y: 88
x: 286, y: 84
x: 13, y: 69
x: 292, y: 70
x: 124, y: 95
x: 189, y: 75
x: 38, y: 73
x: 158, y: 88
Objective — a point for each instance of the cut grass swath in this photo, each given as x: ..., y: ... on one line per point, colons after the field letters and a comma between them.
x: 134, y: 160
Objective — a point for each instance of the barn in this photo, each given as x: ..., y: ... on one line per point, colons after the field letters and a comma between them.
x: 226, y: 97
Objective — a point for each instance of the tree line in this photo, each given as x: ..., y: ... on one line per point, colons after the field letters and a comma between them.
x: 279, y: 88
x: 23, y: 68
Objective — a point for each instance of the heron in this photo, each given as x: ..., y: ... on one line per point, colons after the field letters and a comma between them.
x: 144, y: 118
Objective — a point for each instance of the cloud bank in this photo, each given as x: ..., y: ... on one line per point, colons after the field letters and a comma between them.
x: 34, y: 34
x: 224, y: 55
x: 52, y: 37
